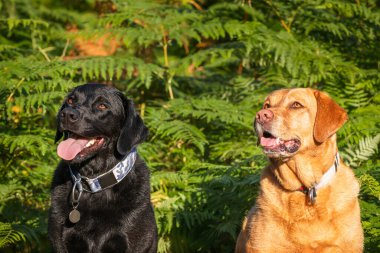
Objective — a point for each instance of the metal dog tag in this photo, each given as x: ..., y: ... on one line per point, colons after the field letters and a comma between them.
x: 74, y: 216
x: 312, y: 195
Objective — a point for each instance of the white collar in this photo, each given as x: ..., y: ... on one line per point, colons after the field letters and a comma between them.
x: 325, y: 180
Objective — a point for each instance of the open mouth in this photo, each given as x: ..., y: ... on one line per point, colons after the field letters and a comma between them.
x: 272, y: 144
x: 78, y: 146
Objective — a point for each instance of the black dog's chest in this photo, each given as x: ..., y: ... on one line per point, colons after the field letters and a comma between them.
x: 104, y: 230
x: 99, y: 237
x: 103, y: 207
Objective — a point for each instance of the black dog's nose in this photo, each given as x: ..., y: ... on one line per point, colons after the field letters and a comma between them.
x: 69, y: 114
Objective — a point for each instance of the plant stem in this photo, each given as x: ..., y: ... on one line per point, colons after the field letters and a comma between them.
x: 282, y: 21
x: 166, y: 60
x: 65, y: 49
x: 13, y: 92
x: 44, y: 54
x: 142, y: 110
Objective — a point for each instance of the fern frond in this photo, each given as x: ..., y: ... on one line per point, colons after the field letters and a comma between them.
x: 164, y: 245
x: 8, y: 235
x: 195, y: 217
x: 164, y: 180
x: 352, y: 9
x: 13, y: 23
x: 370, y: 185
x: 10, y: 191
x: 210, y: 58
x: 357, y: 96
x: 368, y: 146
x: 212, y: 109
x: 234, y: 149
x: 337, y: 29
x: 180, y: 131
x: 31, y: 143
x: 176, y: 130
x: 227, y: 227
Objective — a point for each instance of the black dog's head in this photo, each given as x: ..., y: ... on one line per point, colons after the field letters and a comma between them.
x: 95, y: 118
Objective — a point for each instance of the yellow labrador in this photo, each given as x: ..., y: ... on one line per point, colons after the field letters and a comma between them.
x: 308, y: 200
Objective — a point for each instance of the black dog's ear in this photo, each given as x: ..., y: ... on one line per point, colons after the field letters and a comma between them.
x: 58, y: 136
x: 133, y: 131
x: 59, y: 133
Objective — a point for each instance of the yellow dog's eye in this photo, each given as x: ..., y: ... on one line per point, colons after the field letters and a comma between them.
x: 296, y: 105
x: 266, y: 106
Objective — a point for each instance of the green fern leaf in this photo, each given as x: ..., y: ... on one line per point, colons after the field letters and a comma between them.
x: 8, y: 235
x: 367, y: 147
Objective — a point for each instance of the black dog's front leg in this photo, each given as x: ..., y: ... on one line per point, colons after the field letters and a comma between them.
x: 55, y: 231
x: 153, y: 247
x: 58, y: 212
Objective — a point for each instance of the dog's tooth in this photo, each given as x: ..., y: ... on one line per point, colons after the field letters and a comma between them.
x: 278, y: 140
x: 90, y: 143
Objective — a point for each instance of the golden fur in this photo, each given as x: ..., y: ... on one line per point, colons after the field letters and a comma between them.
x: 283, y: 219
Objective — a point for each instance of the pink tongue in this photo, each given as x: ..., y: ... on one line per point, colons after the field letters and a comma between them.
x: 69, y: 148
x: 268, y: 142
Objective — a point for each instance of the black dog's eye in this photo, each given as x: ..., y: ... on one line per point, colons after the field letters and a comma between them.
x: 70, y: 101
x: 266, y: 106
x: 101, y: 106
x: 296, y: 105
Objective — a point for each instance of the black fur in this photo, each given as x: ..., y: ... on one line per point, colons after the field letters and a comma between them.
x: 119, y: 219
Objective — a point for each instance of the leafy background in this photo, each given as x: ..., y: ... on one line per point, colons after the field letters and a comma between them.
x: 198, y: 71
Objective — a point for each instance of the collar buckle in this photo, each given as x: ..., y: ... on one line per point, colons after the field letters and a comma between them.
x: 311, y: 193
x: 77, y: 186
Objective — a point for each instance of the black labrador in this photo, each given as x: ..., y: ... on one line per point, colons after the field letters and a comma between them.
x: 100, y: 200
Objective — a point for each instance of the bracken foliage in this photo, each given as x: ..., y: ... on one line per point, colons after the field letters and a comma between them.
x: 198, y: 71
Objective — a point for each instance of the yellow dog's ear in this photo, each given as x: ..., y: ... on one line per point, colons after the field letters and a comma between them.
x: 330, y: 117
